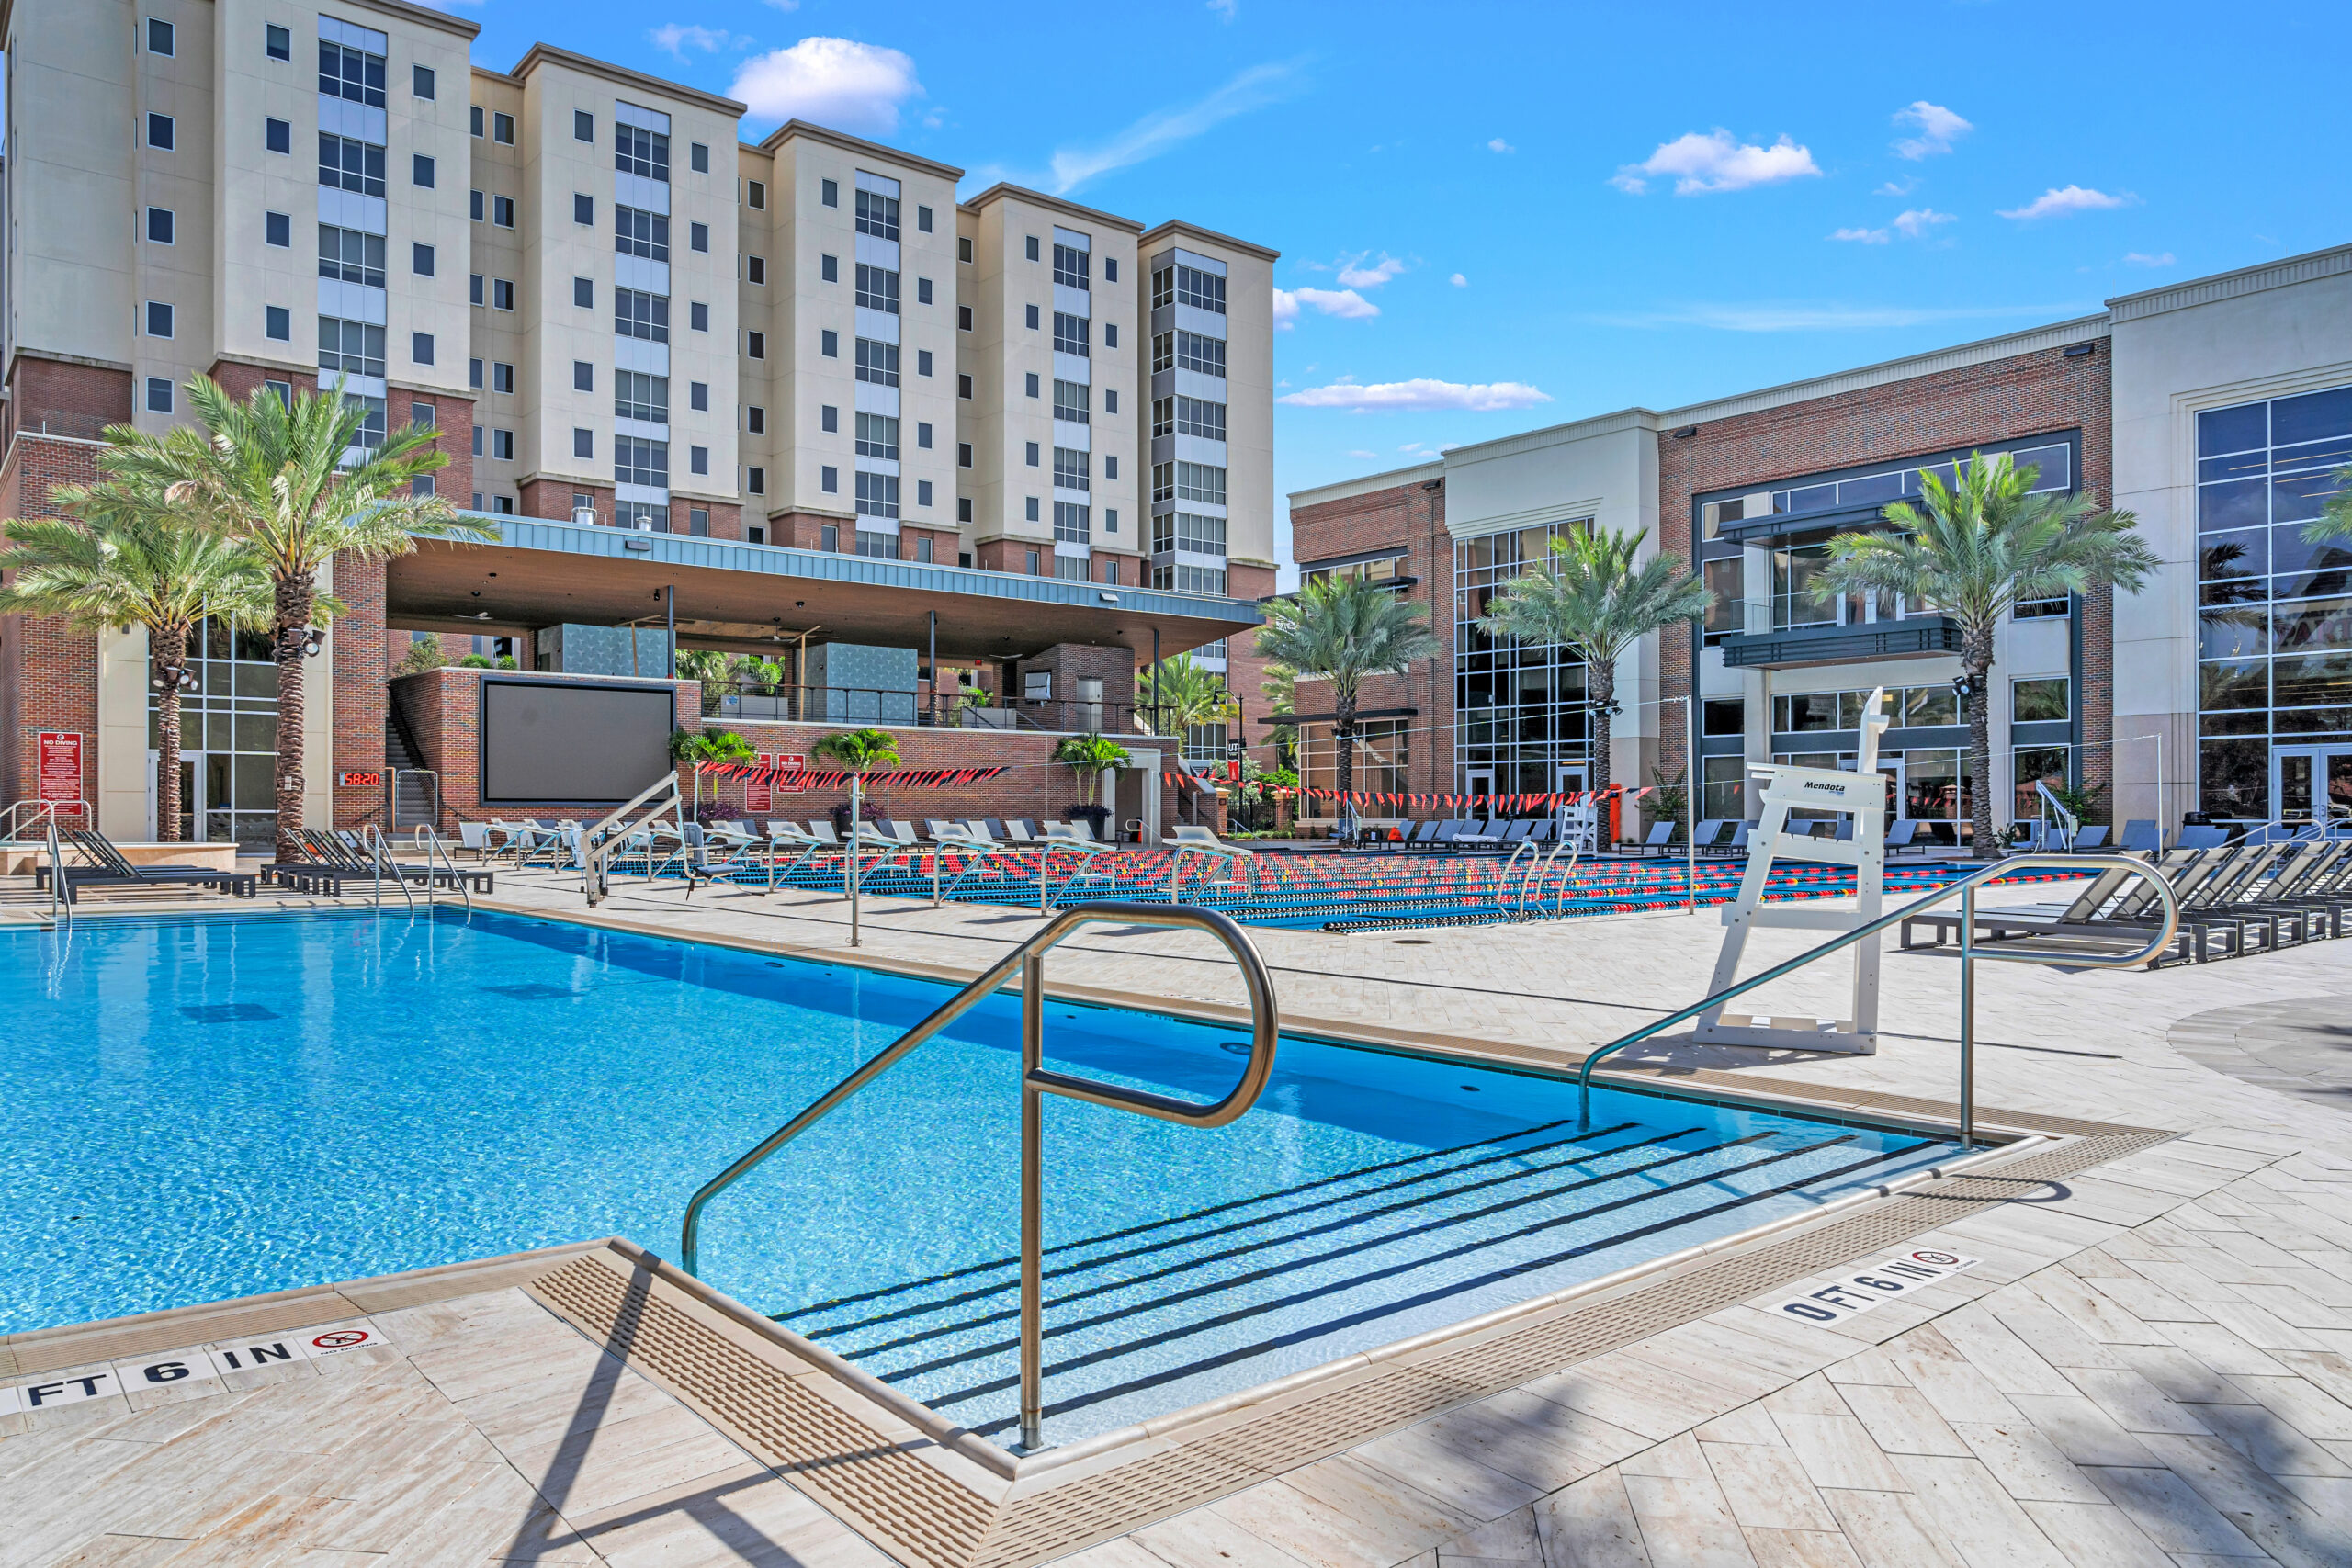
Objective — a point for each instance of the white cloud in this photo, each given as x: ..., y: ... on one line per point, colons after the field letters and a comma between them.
x: 832, y: 80
x: 1939, y: 127
x: 1360, y: 453
x: 1897, y: 187
x: 1862, y: 236
x: 1344, y: 303
x: 1913, y: 224
x: 1802, y: 317
x: 2058, y: 201
x: 1483, y: 397
x: 675, y: 38
x: 1500, y: 145
x: 1156, y: 132
x: 1717, y: 162
x: 1459, y: 281
x: 1354, y: 274
x: 2141, y: 258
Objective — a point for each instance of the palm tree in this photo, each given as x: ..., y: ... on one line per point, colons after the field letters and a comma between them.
x: 119, y: 558
x: 2335, y: 521
x: 1086, y: 756
x: 860, y: 752
x: 1342, y: 630
x: 1591, y: 595
x: 271, y: 475
x: 696, y: 747
x: 1975, y: 550
x: 1187, y: 693
x: 1279, y: 684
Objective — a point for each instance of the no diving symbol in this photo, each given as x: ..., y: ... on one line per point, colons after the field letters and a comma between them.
x: 341, y: 1339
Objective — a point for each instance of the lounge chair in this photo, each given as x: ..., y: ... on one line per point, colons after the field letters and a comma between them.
x: 1903, y: 835
x: 2138, y: 836
x: 2091, y: 838
x: 2201, y: 836
x: 108, y: 867
x: 1660, y: 837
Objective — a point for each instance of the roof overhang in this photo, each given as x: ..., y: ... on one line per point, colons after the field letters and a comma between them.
x: 541, y: 573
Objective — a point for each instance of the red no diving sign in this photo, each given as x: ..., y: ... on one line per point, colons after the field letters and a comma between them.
x: 1897, y: 1274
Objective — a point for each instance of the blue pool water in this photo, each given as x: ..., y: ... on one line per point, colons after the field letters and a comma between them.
x: 198, y: 1109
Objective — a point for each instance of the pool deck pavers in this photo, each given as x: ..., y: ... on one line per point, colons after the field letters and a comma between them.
x: 2152, y: 1364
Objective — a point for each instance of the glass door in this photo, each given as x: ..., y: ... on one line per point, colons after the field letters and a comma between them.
x: 1478, y: 782
x: 2311, y: 783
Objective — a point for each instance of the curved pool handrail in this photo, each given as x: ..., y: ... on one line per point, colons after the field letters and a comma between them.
x: 1966, y: 889
x: 1029, y: 959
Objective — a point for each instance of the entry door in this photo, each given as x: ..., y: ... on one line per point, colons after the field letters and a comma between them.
x: 191, y: 803
x: 2311, y: 783
x: 1479, y: 781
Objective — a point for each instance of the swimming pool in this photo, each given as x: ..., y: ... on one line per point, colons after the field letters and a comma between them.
x: 196, y: 1109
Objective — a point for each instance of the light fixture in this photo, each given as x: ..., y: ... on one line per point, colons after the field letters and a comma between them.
x: 313, y: 641
x: 1963, y: 686
x: 1686, y: 433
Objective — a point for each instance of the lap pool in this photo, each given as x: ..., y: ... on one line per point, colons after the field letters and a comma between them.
x: 195, y: 1109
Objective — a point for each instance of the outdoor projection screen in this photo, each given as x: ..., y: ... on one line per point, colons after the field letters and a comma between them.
x: 558, y: 743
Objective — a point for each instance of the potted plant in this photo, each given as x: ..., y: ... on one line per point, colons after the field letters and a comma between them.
x: 1086, y: 756
x: 858, y: 752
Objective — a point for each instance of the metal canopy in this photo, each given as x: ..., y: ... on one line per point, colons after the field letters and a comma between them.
x: 737, y: 595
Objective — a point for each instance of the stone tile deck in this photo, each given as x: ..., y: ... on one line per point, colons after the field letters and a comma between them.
x: 2152, y: 1364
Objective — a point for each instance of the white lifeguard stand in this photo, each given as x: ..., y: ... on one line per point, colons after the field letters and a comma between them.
x: 1580, y: 825
x: 1860, y: 795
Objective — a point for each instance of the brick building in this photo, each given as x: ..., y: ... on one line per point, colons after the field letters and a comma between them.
x: 2219, y: 411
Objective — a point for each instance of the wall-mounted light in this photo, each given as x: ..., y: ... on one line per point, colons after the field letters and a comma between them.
x: 2077, y: 350
x: 313, y: 641
x: 1686, y: 433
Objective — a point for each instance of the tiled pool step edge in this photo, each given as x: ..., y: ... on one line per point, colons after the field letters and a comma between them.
x: 937, y: 1497
x: 79, y: 1344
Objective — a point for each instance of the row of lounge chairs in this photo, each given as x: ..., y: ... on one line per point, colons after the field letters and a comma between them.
x: 105, y: 866
x: 329, y: 859
x: 2234, y: 900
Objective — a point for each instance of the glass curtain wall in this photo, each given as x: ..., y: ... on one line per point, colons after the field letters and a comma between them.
x: 227, y: 738
x: 1520, y: 709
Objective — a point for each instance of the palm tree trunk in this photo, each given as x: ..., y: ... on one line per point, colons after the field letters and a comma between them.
x: 167, y: 725
x: 292, y: 615
x: 1976, y: 658
x: 1600, y: 689
x: 1343, y: 734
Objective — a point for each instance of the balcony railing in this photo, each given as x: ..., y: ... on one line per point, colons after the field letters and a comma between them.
x: 1916, y: 636
x: 951, y: 710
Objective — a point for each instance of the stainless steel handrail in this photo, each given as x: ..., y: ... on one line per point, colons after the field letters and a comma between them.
x: 1029, y: 959
x: 434, y: 849
x: 1966, y: 889
x: 379, y: 852
x: 600, y: 842
x: 57, y: 879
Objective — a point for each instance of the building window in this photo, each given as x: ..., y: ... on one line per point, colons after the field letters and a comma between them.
x: 828, y: 269
x: 1177, y: 285
x: 922, y: 291
x: 962, y: 509
x: 348, y: 255
x: 422, y: 484
x: 1110, y: 335
x: 923, y: 493
x: 583, y: 126
x: 642, y: 315
x: 698, y: 158
x: 352, y: 348
x: 1188, y: 416
x: 1072, y: 569
x: 583, y: 210
x: 584, y: 376
x: 424, y: 416
x: 1188, y: 481
x: 1031, y: 315
x: 1029, y: 513
x: 277, y: 323
x: 1180, y: 578
x: 963, y: 249
x: 757, y: 482
x: 698, y: 396
x: 1191, y: 351
x: 922, y: 362
x: 829, y: 479
x: 756, y: 420
x: 159, y: 321
x: 479, y: 206
x: 161, y: 226
x: 502, y: 129
x: 1031, y: 384
x: 637, y: 150
x: 583, y: 443
x: 1033, y: 454
x: 637, y: 232
x: 162, y: 133
x: 1071, y: 266
x: 583, y: 293
x: 502, y: 377
x: 878, y: 362
x: 1029, y: 246
x: 963, y: 387
x: 502, y: 293
x: 1201, y: 534
x: 277, y: 229
x: 698, y: 522
x: 963, y: 318
x: 1109, y: 399
x: 1377, y: 764
x: 503, y: 505
x: 159, y: 394
x: 474, y: 282
x: 757, y: 191
x: 420, y: 170
x: 421, y: 84
x: 878, y: 436
x: 877, y: 288
x: 1072, y: 523
x: 1111, y: 514
x: 637, y: 461
x: 282, y: 390
x: 476, y: 130
x: 755, y: 534
x: 829, y: 193
x: 351, y: 74
x: 756, y: 344
x: 420, y: 347
x: 878, y: 215
x: 1726, y: 580
x: 2038, y: 701
x: 1070, y: 401
x: 698, y: 460
x: 877, y: 494
x: 698, y: 236
x: 1033, y: 554
x: 923, y: 436
x: 755, y: 270
x: 421, y: 260
x: 502, y: 212
x: 963, y: 453
x: 345, y: 163
x: 1072, y: 469
x: 278, y: 43
x: 1111, y: 563
x: 370, y: 433
x: 480, y: 434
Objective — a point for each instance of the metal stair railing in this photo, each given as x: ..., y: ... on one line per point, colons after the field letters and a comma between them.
x: 379, y: 852
x: 430, y: 842
x: 1029, y: 960
x: 601, y: 841
x: 1969, y: 954
x: 57, y: 883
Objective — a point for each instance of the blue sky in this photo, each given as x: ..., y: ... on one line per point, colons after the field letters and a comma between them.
x: 1498, y: 217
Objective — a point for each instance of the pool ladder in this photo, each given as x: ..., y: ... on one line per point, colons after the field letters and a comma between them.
x: 1038, y: 1081
x: 1965, y: 888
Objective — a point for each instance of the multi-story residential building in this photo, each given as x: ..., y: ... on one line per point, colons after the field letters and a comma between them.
x: 2219, y: 411
x: 622, y: 321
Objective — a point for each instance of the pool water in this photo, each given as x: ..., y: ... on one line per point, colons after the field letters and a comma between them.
x: 192, y: 1110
